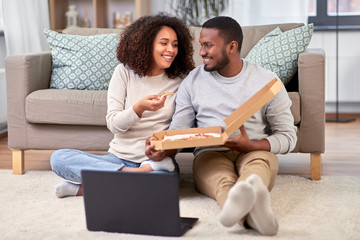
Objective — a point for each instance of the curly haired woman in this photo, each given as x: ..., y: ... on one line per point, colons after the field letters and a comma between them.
x: 155, y: 54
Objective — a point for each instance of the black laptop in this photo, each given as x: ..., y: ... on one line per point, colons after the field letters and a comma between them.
x: 138, y: 203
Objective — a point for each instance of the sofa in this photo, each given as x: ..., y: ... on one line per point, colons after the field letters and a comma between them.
x: 42, y: 118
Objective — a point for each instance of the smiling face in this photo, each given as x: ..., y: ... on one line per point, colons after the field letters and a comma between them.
x: 213, y: 50
x: 165, y: 49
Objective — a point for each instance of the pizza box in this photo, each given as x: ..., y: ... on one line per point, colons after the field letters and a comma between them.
x: 233, y: 122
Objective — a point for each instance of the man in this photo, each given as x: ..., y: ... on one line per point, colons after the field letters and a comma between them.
x: 240, y: 174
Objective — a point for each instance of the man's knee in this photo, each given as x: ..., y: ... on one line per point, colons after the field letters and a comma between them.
x: 262, y: 163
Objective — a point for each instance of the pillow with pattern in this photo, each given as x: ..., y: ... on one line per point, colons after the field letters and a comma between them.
x: 82, y: 62
x: 279, y: 51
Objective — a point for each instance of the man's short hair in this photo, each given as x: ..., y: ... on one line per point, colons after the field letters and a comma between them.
x: 228, y: 28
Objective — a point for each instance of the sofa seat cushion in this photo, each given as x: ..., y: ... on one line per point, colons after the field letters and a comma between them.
x: 85, y: 107
x: 295, y: 107
x: 73, y: 107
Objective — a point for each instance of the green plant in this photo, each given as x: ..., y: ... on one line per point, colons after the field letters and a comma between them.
x: 195, y: 12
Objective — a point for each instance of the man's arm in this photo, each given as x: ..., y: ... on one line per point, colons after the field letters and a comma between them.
x: 282, y: 138
x: 281, y: 122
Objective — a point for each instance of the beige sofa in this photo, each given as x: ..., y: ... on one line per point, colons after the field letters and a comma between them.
x: 49, y: 119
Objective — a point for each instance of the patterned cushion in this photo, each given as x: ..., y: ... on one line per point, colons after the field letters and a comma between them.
x: 82, y: 62
x: 279, y: 51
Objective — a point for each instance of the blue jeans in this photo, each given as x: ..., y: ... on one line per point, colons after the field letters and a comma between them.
x: 68, y: 163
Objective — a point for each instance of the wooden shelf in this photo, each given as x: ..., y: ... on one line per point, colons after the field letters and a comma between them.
x: 100, y: 14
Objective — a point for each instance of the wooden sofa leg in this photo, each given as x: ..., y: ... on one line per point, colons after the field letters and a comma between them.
x: 18, y: 163
x: 315, y: 166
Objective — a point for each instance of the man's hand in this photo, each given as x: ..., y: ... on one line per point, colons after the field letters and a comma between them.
x: 242, y: 143
x: 151, y: 153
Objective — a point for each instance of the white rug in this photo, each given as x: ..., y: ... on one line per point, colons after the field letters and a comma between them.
x: 326, y: 209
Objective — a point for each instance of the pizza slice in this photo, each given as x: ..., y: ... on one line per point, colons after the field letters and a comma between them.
x: 166, y: 94
x: 190, y: 136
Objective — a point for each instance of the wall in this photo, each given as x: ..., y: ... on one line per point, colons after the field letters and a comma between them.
x: 348, y: 70
x: 3, y: 107
x: 2, y: 51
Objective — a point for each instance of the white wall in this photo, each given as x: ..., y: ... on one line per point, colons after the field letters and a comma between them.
x: 2, y: 52
x: 348, y: 71
x: 3, y: 107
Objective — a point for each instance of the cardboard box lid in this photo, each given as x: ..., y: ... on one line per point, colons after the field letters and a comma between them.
x: 251, y: 106
x: 233, y: 122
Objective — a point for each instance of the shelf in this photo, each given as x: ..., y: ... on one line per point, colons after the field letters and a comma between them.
x: 98, y: 11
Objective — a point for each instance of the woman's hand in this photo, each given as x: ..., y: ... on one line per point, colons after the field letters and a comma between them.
x: 151, y: 153
x: 157, y: 155
x: 149, y: 103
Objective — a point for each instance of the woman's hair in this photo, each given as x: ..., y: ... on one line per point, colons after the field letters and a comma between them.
x: 135, y: 48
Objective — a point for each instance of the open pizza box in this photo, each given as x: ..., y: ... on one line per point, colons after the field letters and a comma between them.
x: 218, y: 136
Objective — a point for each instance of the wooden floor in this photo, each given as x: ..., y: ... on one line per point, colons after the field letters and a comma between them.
x: 341, y: 157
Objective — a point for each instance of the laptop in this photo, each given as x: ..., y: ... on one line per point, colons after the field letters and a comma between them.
x: 138, y: 203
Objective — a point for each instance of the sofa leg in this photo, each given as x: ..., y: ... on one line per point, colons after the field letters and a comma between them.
x: 18, y: 163
x: 315, y: 166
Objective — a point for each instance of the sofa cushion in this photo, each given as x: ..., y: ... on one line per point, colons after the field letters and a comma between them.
x: 82, y: 62
x: 279, y: 51
x: 253, y: 34
x: 74, y: 107
x: 77, y: 107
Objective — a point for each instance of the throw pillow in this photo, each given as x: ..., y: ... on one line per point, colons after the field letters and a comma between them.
x: 279, y: 51
x: 82, y: 62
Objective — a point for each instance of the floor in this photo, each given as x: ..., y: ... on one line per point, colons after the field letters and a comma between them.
x: 341, y: 157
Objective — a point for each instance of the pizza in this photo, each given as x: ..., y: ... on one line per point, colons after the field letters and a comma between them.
x: 165, y: 94
x: 190, y: 136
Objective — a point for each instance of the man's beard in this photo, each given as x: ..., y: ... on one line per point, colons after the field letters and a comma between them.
x: 221, y: 64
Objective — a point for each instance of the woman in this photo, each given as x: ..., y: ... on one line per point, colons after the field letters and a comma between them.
x: 155, y: 54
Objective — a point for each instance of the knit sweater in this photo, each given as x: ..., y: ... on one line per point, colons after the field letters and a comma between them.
x: 206, y: 98
x: 130, y: 132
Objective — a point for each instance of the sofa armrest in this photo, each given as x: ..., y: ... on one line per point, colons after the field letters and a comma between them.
x: 24, y: 74
x: 311, y: 73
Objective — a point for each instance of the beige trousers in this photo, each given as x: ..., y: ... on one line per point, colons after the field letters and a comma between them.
x: 216, y: 172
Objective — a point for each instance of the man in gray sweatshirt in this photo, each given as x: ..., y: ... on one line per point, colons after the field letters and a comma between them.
x: 240, y: 174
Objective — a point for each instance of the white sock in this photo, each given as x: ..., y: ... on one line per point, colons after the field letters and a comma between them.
x: 65, y: 189
x: 164, y: 165
x: 261, y: 217
x: 238, y: 204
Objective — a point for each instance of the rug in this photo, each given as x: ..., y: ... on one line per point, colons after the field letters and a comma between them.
x: 305, y: 209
